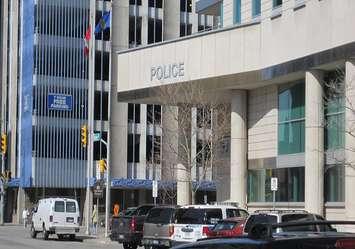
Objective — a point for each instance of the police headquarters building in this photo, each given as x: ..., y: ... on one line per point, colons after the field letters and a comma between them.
x: 287, y: 69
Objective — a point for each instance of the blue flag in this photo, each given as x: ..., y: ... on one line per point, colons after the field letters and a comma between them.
x: 104, y: 23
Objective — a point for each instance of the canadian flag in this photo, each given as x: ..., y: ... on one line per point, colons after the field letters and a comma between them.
x: 87, y: 40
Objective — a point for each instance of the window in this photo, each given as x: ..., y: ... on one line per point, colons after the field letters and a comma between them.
x: 153, y: 114
x: 257, y: 219
x: 185, y: 5
x: 160, y: 216
x: 237, y: 11
x: 133, y: 148
x: 59, y: 206
x: 153, y: 149
x: 298, y: 217
x: 334, y: 185
x: 135, y: 31
x: 204, y: 118
x: 135, y: 2
x: 232, y: 213
x: 291, y: 128
x: 276, y: 3
x: 134, y: 113
x: 334, y: 109
x: 213, y: 215
x: 290, y: 181
x: 256, y: 8
x: 155, y: 3
x: 105, y: 65
x: 70, y: 207
x: 155, y: 30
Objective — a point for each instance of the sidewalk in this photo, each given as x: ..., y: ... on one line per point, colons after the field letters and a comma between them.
x: 99, y: 238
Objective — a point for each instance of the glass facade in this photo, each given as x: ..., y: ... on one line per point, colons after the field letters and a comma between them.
x: 290, y: 185
x: 334, y: 111
x: 334, y: 187
x: 291, y: 127
x: 276, y: 3
x: 237, y: 12
x: 256, y: 8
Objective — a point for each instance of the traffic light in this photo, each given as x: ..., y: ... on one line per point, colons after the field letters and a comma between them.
x: 102, y: 166
x: 3, y: 143
x: 84, y: 135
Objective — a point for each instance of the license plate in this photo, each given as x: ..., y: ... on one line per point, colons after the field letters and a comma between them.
x: 70, y: 219
x: 121, y: 236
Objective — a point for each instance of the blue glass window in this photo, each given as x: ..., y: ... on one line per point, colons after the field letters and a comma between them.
x: 276, y: 3
x: 291, y: 128
x: 237, y: 11
x: 256, y: 8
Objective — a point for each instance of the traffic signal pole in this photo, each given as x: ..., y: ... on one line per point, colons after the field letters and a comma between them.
x: 2, y: 191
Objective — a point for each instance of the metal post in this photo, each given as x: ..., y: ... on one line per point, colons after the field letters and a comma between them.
x: 2, y: 192
x: 90, y: 113
x: 273, y: 199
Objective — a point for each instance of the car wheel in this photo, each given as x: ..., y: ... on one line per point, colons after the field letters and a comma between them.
x: 33, y: 232
x: 72, y: 236
x: 45, y: 233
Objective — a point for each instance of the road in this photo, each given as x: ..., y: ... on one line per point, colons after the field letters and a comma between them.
x: 17, y: 237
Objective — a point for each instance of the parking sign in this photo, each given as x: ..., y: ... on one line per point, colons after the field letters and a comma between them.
x: 274, y: 186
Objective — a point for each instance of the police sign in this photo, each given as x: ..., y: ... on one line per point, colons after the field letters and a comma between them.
x: 60, y: 102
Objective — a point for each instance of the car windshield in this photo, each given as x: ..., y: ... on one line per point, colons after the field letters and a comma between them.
x: 70, y: 207
x: 59, y: 206
x: 160, y: 215
x: 298, y: 217
x: 257, y: 219
x: 198, y: 215
x: 224, y: 225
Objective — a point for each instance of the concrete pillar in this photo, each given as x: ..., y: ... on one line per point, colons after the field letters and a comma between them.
x: 144, y: 28
x: 239, y: 147
x: 349, y: 140
x: 314, y: 143
x: 171, y: 20
x: 183, y: 188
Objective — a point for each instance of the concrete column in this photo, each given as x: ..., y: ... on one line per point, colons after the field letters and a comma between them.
x: 239, y: 147
x: 171, y: 20
x: 144, y: 28
x: 314, y: 143
x: 349, y: 140
x: 183, y: 189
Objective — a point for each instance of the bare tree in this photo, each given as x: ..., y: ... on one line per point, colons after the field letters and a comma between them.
x: 195, y: 131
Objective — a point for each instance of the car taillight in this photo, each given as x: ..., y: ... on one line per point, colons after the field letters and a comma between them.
x: 238, y: 230
x: 51, y: 218
x: 206, y: 231
x: 171, y: 230
x: 133, y: 224
x: 345, y: 244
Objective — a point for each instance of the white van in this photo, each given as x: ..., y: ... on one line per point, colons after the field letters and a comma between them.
x: 56, y: 216
x: 194, y: 222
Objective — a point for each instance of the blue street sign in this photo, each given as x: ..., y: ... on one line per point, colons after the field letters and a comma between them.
x: 60, y: 102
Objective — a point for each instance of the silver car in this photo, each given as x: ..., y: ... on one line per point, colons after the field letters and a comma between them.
x: 158, y: 227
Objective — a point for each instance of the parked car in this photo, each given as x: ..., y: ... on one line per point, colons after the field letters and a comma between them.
x: 230, y: 227
x: 279, y: 216
x: 159, y: 227
x: 128, y: 229
x: 56, y: 216
x: 128, y: 212
x: 195, y: 221
x: 261, y: 237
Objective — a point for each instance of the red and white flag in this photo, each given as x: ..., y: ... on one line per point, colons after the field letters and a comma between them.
x: 87, y: 40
